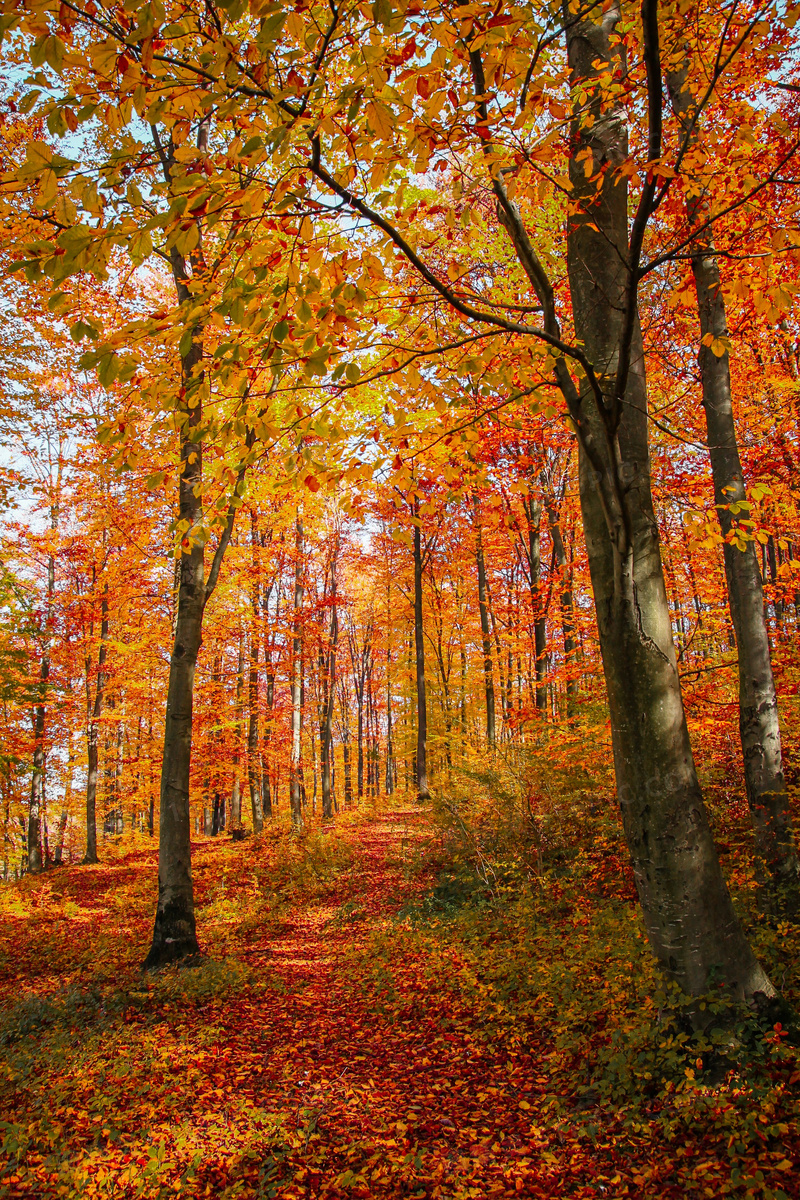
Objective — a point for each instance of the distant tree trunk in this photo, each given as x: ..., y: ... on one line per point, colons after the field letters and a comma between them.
x: 423, y: 791
x: 776, y: 858
x: 238, y: 710
x: 94, y: 710
x: 391, y: 770
x: 348, y: 772
x: 533, y: 513
x: 328, y: 686
x: 486, y: 638
x: 565, y: 589
x: 344, y: 715
x: 295, y: 773
x: 253, y: 757
x: 36, y: 859
x: 266, y: 778
x: 58, y: 853
x: 360, y: 741
x: 150, y: 775
x: 504, y: 690
x: 266, y: 763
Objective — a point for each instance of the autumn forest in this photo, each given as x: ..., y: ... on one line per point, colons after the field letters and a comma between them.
x: 399, y: 598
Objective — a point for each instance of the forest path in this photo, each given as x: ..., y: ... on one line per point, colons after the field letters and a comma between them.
x: 380, y: 1071
x: 322, y: 1049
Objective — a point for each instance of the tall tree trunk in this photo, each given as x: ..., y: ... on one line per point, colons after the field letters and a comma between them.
x: 423, y: 791
x: 691, y: 924
x: 174, y: 934
x: 94, y: 710
x: 253, y: 757
x: 776, y: 858
x: 36, y: 856
x: 486, y: 639
x: 328, y: 686
x: 295, y: 772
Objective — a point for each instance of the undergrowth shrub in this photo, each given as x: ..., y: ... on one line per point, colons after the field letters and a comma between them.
x: 534, y: 899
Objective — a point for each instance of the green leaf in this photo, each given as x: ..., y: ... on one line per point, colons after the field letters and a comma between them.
x: 251, y: 145
x: 382, y: 12
x: 38, y: 155
x: 81, y: 329
x: 107, y: 368
x: 56, y: 122
x: 28, y: 100
x: 270, y: 30
x: 186, y: 341
x: 140, y: 247
x: 48, y: 49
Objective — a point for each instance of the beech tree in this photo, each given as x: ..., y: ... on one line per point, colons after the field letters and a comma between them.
x: 325, y: 303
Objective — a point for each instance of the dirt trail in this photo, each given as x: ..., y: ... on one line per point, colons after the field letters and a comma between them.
x: 329, y: 1070
x: 396, y: 1093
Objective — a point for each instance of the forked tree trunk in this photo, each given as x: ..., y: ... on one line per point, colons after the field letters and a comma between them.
x: 776, y: 858
x: 691, y: 924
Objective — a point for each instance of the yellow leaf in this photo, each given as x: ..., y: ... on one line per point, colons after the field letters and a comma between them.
x: 380, y: 120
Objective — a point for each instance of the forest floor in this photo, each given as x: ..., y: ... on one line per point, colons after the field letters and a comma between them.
x: 351, y: 1032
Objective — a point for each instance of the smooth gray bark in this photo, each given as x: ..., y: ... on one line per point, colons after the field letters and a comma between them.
x: 776, y: 858
x: 691, y: 924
